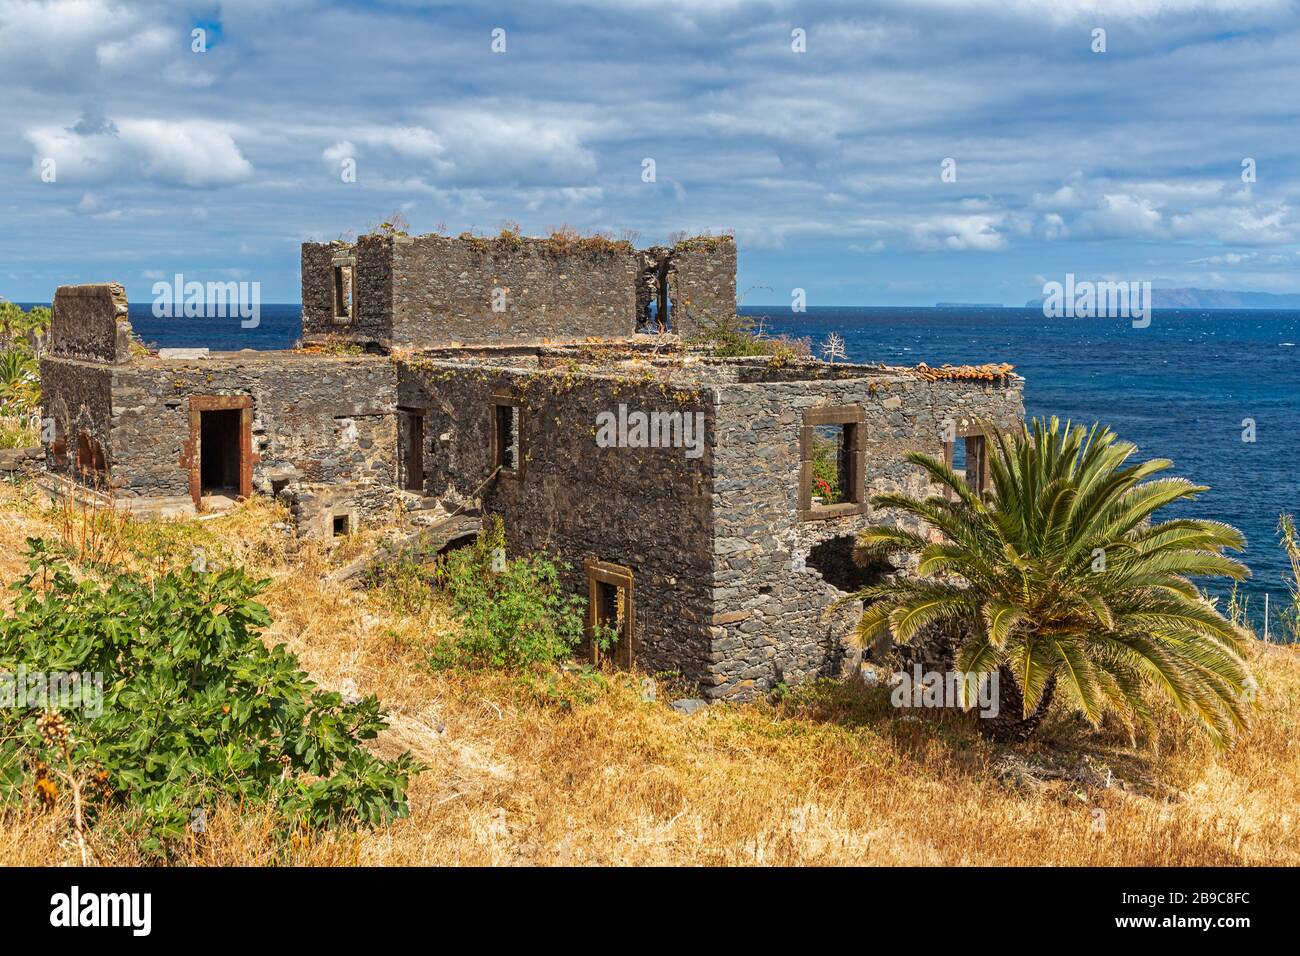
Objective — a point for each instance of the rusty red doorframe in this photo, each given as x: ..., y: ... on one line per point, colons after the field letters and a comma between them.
x: 193, y: 458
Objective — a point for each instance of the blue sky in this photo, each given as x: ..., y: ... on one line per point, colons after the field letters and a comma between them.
x: 827, y: 164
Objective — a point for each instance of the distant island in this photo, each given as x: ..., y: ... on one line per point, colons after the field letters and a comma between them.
x: 1211, y: 299
x: 968, y: 305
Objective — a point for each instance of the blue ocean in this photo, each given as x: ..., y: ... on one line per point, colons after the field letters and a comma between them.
x: 1181, y: 388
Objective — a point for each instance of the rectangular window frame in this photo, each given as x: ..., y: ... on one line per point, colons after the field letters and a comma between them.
x: 343, y: 307
x: 984, y: 435
x: 497, y: 448
x: 854, y: 420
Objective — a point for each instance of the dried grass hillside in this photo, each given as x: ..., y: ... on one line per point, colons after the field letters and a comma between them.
x: 560, y: 767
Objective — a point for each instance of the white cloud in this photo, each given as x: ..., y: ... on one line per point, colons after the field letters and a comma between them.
x: 1120, y: 216
x: 867, y: 250
x: 91, y: 205
x: 134, y: 51
x: 1064, y: 10
x: 1067, y: 197
x: 334, y: 155
x: 959, y: 234
x: 1240, y: 225
x: 1053, y: 227
x: 835, y: 151
x: 479, y: 145
x: 184, y: 152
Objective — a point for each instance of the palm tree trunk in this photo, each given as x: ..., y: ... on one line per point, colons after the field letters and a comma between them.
x: 1010, y: 725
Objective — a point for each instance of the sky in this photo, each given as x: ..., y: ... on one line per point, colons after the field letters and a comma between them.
x: 867, y: 153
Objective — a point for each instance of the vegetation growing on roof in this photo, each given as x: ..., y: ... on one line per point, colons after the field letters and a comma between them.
x: 565, y: 240
x: 738, y: 336
x: 393, y: 227
x: 332, y: 344
x: 704, y: 242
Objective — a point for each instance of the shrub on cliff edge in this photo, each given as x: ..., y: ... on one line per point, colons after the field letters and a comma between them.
x: 195, y: 709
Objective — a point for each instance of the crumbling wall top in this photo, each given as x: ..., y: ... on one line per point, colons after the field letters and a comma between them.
x: 91, y: 322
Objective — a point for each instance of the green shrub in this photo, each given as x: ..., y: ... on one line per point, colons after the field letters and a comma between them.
x: 513, y: 616
x: 196, y: 710
x: 736, y: 336
x: 402, y: 586
x: 826, y: 469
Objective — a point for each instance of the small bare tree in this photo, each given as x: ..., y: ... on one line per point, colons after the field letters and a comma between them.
x: 834, y: 348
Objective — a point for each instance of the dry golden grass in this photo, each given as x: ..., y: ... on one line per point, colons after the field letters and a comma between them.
x: 556, y: 769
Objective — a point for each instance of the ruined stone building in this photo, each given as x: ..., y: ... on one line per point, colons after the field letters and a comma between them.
x: 706, y: 506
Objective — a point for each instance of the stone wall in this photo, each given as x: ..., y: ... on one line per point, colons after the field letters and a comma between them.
x: 318, y: 287
x: 371, y: 261
x: 648, y: 509
x: 314, y: 506
x: 443, y: 291
x: 21, y: 459
x: 770, y: 599
x: 314, y: 419
x: 78, y: 397
x: 427, y: 291
x: 90, y: 322
x: 704, y: 279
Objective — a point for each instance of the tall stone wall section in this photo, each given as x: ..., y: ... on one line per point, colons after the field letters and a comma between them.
x: 318, y: 286
x: 78, y: 397
x: 371, y: 260
x: 428, y: 291
x: 649, y: 509
x: 90, y: 322
x: 704, y: 273
x: 90, y: 332
x: 479, y: 291
x: 771, y: 623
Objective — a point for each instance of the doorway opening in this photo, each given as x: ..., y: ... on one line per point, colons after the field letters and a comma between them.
x: 219, y: 452
x: 411, y: 450
x: 610, y: 614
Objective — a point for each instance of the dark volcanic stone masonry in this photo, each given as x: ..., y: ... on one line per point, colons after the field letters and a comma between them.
x: 318, y: 418
x: 726, y: 555
x: 646, y: 509
x: 417, y: 292
x: 771, y: 569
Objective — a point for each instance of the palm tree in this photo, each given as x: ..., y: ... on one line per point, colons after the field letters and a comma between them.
x: 19, y: 381
x: 1059, y: 580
